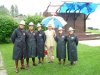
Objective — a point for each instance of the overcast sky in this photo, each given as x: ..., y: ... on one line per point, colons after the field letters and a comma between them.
x: 36, y: 6
x: 33, y: 6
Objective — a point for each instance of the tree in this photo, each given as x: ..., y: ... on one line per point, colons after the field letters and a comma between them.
x: 35, y: 19
x: 16, y: 10
x: 13, y: 11
x: 4, y: 10
x: 7, y: 25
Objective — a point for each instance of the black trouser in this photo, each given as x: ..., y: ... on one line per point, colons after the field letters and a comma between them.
x: 33, y: 60
x: 40, y: 59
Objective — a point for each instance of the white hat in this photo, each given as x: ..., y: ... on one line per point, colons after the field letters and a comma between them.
x: 60, y: 28
x: 31, y: 24
x: 51, y: 23
x: 22, y: 22
x: 70, y: 29
x: 38, y: 25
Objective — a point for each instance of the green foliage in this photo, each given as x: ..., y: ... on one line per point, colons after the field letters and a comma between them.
x: 4, y: 10
x: 35, y: 19
x: 7, y: 25
x: 93, y: 31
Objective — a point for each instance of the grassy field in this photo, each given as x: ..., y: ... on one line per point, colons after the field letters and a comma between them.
x: 93, y: 31
x: 88, y: 63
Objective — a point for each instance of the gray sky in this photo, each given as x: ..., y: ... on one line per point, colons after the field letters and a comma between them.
x: 27, y: 6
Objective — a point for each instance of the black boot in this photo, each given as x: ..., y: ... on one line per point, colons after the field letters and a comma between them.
x: 34, y: 64
x: 64, y: 61
x: 59, y: 61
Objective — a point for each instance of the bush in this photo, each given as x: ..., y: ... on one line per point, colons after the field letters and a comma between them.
x: 7, y: 25
x: 35, y: 19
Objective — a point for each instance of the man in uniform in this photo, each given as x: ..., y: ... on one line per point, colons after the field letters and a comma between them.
x: 18, y: 39
x: 72, y: 43
x: 40, y: 38
x: 61, y: 40
x: 31, y: 45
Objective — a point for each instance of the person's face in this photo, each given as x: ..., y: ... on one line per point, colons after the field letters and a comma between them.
x: 39, y: 28
x: 21, y: 26
x: 60, y: 31
x: 50, y: 27
x: 30, y: 27
x: 71, y: 32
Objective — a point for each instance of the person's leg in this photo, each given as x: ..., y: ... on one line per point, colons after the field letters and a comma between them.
x: 39, y: 60
x: 27, y: 62
x: 33, y: 60
x: 59, y: 60
x: 52, y: 53
x: 49, y: 55
x: 42, y: 59
x: 71, y: 62
x: 16, y: 63
x: 64, y: 61
x: 22, y: 63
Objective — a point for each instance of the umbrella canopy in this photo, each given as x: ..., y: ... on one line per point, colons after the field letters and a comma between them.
x: 69, y: 6
x: 89, y: 8
x: 83, y: 7
x: 55, y: 21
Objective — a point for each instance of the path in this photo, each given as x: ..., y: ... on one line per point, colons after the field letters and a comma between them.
x: 91, y: 42
x: 2, y: 70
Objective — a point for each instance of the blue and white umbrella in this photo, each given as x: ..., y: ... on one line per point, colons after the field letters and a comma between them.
x: 55, y: 21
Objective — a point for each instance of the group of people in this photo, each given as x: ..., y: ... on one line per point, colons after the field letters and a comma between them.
x: 31, y: 43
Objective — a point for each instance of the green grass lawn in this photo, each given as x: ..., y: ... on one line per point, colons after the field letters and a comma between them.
x: 93, y: 31
x: 88, y: 63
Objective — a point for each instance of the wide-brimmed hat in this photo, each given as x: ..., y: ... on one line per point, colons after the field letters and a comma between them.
x: 49, y: 25
x: 31, y: 24
x: 38, y: 25
x: 60, y: 28
x: 22, y: 22
x: 71, y: 29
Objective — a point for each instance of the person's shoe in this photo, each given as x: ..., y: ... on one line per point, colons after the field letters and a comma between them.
x: 39, y: 62
x: 42, y: 62
x: 48, y: 61
x: 22, y: 67
x: 63, y: 63
x: 34, y: 64
x: 52, y: 61
x: 74, y: 62
x: 17, y: 70
x: 27, y: 67
x: 71, y: 63
x: 59, y: 63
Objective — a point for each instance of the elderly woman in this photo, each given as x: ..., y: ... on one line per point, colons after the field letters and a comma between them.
x: 61, y: 40
x: 72, y: 42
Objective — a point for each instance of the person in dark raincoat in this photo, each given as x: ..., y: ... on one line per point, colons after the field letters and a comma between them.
x: 31, y: 45
x: 18, y: 39
x: 61, y: 40
x: 40, y: 38
x: 72, y: 42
